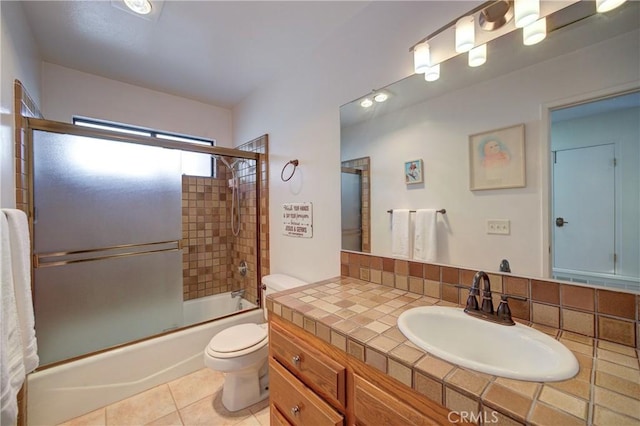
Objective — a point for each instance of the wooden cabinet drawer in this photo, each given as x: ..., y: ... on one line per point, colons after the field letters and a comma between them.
x: 298, y: 404
x: 276, y: 418
x: 323, y: 374
x: 373, y: 406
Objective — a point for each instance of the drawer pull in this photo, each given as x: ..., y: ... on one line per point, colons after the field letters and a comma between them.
x: 296, y: 359
x: 295, y: 410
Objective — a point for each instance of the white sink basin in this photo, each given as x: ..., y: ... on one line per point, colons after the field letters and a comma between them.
x: 516, y: 352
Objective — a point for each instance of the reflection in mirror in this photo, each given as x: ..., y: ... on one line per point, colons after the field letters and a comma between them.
x: 356, y: 235
x: 583, y: 57
x: 595, y: 222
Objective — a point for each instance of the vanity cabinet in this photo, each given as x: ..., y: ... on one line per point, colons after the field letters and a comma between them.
x: 315, y: 383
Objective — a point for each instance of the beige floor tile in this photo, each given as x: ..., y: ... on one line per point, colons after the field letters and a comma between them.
x: 142, y: 408
x: 210, y: 411
x: 94, y: 418
x: 263, y: 416
x: 249, y: 421
x: 172, y: 419
x: 195, y: 386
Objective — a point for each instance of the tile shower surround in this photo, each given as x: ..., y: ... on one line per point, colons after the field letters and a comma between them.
x: 211, y: 253
x: 360, y: 318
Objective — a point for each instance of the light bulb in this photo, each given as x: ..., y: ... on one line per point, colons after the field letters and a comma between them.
x: 526, y: 12
x: 607, y: 5
x: 433, y: 73
x: 465, y: 34
x: 366, y: 103
x: 142, y: 7
x: 534, y: 33
x: 421, y: 58
x: 478, y: 55
x: 380, y: 97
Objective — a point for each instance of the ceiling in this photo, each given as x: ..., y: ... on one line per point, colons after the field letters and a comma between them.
x: 570, y: 29
x: 217, y: 52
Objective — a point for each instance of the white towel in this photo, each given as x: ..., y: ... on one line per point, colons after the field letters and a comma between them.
x: 425, y: 241
x: 11, y: 353
x: 21, y: 267
x: 400, y: 233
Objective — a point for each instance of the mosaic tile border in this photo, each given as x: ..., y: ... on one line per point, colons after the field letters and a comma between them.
x: 594, y: 312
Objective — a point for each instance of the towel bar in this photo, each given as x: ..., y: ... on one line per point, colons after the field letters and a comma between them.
x: 442, y: 211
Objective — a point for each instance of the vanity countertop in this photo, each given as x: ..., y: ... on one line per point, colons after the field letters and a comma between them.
x: 360, y: 318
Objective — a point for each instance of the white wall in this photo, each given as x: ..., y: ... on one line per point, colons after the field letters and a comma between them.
x: 437, y: 131
x: 67, y: 92
x: 20, y: 60
x: 300, y: 112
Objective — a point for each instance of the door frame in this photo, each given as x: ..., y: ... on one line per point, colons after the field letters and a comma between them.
x: 546, y: 158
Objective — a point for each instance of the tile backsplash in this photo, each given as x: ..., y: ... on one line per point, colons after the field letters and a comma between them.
x: 602, y: 313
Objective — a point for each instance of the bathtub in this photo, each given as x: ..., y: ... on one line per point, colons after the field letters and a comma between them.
x: 60, y: 393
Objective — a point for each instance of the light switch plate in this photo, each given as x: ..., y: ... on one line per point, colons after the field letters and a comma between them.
x: 498, y: 226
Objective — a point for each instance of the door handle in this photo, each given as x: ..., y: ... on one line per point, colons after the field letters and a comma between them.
x: 560, y: 222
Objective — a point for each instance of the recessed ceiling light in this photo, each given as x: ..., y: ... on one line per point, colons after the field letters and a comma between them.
x: 366, y: 103
x: 143, y: 7
x: 380, y: 97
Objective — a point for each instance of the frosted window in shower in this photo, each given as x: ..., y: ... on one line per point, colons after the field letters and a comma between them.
x: 93, y: 193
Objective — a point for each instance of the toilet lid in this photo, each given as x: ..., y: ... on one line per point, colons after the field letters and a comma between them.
x: 237, y: 338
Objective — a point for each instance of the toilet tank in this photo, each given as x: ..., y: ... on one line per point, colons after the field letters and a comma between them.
x: 277, y: 282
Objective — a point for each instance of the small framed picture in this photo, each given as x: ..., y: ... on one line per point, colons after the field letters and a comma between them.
x: 496, y: 159
x: 413, y: 172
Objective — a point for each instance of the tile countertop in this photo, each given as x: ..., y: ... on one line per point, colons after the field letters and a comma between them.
x: 360, y: 318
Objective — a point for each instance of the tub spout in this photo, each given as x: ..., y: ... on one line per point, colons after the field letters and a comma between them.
x: 237, y: 293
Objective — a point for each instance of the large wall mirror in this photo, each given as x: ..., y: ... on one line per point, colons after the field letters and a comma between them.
x: 575, y: 94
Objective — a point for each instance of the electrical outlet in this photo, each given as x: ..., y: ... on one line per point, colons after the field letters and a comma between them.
x: 502, y: 227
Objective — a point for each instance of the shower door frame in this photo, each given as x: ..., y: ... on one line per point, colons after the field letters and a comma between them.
x: 31, y: 124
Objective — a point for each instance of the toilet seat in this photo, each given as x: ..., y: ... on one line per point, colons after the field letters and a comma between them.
x: 238, y: 340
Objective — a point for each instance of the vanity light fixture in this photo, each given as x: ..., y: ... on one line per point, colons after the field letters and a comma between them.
x: 465, y: 34
x: 142, y: 7
x: 433, y: 73
x: 526, y: 12
x: 421, y: 58
x: 607, y: 5
x: 478, y: 55
x: 535, y: 32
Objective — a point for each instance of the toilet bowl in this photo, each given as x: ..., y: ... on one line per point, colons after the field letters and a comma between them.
x: 241, y: 352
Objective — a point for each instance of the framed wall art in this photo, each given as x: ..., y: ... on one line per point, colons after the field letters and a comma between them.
x: 496, y: 159
x: 413, y: 172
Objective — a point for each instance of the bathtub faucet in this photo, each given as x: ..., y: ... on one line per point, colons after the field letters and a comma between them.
x: 237, y: 293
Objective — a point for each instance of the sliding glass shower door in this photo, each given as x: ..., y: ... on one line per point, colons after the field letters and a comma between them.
x: 107, y: 230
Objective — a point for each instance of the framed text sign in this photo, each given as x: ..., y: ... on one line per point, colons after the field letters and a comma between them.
x: 297, y: 219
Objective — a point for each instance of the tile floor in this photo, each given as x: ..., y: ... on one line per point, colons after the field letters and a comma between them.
x: 192, y: 400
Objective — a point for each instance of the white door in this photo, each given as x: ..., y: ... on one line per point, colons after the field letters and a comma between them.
x: 584, y: 209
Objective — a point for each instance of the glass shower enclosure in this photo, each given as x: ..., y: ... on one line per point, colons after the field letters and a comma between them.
x: 107, y: 218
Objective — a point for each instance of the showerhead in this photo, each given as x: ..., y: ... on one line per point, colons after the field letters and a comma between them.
x: 226, y: 163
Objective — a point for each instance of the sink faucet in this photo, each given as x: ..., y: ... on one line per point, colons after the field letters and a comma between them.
x: 485, y: 311
x: 237, y: 293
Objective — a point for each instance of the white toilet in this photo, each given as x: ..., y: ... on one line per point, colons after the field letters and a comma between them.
x: 241, y: 353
